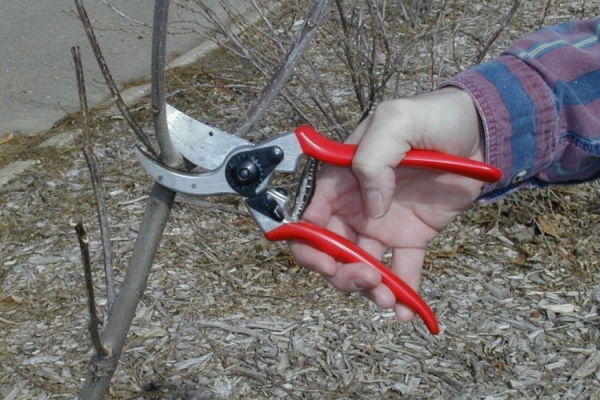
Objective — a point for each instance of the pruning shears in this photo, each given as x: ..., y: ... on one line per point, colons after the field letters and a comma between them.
x: 236, y: 166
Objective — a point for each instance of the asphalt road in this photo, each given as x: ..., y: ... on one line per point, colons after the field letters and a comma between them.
x: 37, y: 76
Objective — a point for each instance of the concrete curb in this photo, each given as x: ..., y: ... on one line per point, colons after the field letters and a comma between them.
x: 130, y: 96
x: 134, y: 94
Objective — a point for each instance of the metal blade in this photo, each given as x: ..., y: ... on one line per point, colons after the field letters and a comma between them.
x: 192, y: 183
x: 204, y: 145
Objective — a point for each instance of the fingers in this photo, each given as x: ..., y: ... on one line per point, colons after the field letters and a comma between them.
x: 358, y: 277
x: 349, y: 278
x: 445, y: 120
x: 407, y: 263
x: 352, y: 277
x: 355, y: 278
x: 313, y: 260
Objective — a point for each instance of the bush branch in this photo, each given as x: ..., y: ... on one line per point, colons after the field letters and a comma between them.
x: 505, y: 21
x: 92, y: 163
x: 89, y: 284
x: 101, y: 369
x: 110, y: 81
x: 170, y: 156
x: 271, y: 90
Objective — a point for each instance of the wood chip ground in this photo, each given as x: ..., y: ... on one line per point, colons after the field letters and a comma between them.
x: 229, y: 315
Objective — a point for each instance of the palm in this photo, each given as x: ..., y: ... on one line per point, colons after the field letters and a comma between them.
x: 423, y: 204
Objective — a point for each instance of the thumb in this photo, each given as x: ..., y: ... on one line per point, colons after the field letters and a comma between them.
x: 377, y: 185
x: 381, y: 147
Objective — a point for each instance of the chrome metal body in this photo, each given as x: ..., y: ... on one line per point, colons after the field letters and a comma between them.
x: 202, y: 144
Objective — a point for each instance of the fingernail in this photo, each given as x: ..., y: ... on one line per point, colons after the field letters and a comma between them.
x: 373, y: 203
x: 404, y: 314
x: 363, y: 283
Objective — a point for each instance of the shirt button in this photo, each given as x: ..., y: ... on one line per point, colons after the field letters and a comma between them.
x: 519, y: 177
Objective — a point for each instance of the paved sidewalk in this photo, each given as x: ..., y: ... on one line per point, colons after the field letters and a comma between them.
x: 37, y: 77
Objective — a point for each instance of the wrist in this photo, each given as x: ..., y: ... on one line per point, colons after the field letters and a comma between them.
x: 453, y: 124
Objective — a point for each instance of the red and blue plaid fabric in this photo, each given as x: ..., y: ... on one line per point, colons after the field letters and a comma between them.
x: 539, y: 103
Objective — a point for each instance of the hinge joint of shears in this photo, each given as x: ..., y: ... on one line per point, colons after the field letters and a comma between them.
x: 246, y: 171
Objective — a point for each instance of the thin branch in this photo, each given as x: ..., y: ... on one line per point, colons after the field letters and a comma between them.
x: 225, y: 30
x: 544, y: 14
x: 259, y: 8
x: 377, y: 30
x: 92, y: 163
x: 503, y: 24
x: 110, y: 81
x: 89, y: 284
x: 353, y: 65
x: 170, y: 156
x: 259, y: 60
x: 399, y: 59
x: 271, y: 90
x: 331, y: 113
x: 123, y: 15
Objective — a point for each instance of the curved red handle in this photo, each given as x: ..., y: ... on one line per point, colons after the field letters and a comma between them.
x: 331, y: 152
x: 345, y: 251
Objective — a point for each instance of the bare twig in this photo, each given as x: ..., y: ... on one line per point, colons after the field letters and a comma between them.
x: 259, y: 57
x: 350, y: 58
x: 372, y: 48
x: 224, y: 30
x: 544, y: 14
x: 170, y: 156
x: 399, y: 59
x: 260, y: 9
x: 110, y: 81
x: 271, y: 90
x: 95, y: 322
x: 503, y: 24
x: 331, y: 113
x: 123, y: 15
x: 92, y: 163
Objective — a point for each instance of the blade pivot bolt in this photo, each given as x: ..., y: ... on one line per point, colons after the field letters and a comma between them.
x: 246, y: 172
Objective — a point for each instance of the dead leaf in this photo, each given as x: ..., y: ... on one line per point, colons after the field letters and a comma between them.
x: 12, y: 299
x: 549, y: 226
x: 7, y: 138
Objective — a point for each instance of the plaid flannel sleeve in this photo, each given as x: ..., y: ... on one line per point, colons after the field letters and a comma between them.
x: 539, y: 103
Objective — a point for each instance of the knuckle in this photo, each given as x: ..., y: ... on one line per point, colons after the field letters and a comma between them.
x: 365, y: 169
x: 403, y: 111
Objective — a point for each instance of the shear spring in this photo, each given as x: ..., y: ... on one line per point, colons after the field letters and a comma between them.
x: 306, y: 188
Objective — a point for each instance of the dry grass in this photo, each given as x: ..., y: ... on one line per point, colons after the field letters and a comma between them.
x: 228, y: 315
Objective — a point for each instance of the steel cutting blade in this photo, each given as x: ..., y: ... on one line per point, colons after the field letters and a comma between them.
x: 203, y: 145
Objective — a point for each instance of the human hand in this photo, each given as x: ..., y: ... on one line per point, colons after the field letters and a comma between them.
x: 379, y: 206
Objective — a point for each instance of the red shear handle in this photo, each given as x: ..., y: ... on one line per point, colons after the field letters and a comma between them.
x: 345, y: 251
x: 331, y: 152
